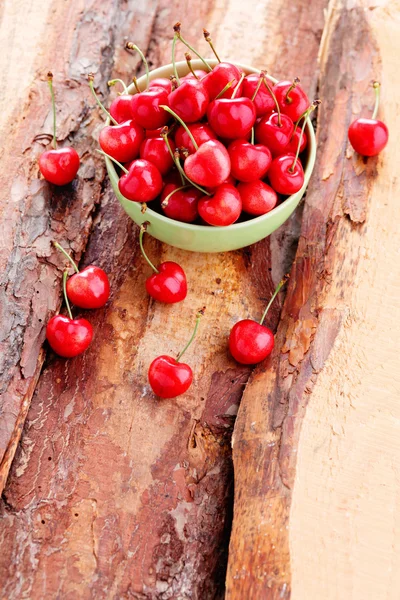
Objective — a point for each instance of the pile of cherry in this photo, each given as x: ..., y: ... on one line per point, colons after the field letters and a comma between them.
x: 232, y: 132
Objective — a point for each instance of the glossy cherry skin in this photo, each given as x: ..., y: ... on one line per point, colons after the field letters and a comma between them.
x: 68, y: 337
x: 122, y: 142
x: 219, y: 77
x: 121, y: 108
x: 258, y: 198
x: 249, y: 162
x: 142, y: 183
x: 294, y: 141
x: 189, y: 101
x: 146, y: 108
x: 210, y: 165
x: 250, y: 342
x: 161, y: 82
x: 296, y: 104
x: 182, y: 205
x: 169, y: 284
x: 231, y: 118
x: 263, y: 101
x: 201, y: 133
x: 155, y: 151
x: 269, y: 133
x: 152, y: 133
x: 368, y: 136
x: 89, y: 288
x: 59, y: 166
x: 200, y: 74
x: 282, y: 179
x: 222, y: 208
x: 168, y: 378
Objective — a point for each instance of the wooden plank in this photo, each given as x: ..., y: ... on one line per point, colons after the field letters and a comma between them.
x: 335, y: 356
x: 113, y: 493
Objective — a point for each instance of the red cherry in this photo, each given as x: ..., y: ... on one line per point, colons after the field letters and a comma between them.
x: 153, y: 133
x: 231, y: 117
x: 210, y: 165
x: 292, y: 99
x: 180, y: 202
x: 197, y: 74
x: 155, y: 151
x: 168, y: 282
x: 142, y: 183
x: 189, y: 101
x: 169, y: 377
x: 201, y: 133
x: 286, y: 174
x: 263, y: 100
x: 275, y: 137
x: 369, y: 136
x: 258, y: 198
x: 59, y: 166
x: 121, y: 108
x: 222, y: 208
x: 161, y: 82
x: 229, y: 180
x: 88, y: 288
x: 122, y: 142
x: 146, y: 108
x: 248, y: 162
x: 294, y: 141
x: 68, y: 337
x: 219, y: 77
x: 251, y: 342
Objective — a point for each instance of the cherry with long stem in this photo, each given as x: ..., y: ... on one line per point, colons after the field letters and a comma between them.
x: 101, y: 105
x: 178, y: 35
x: 278, y: 110
x: 182, y: 172
x: 164, y: 134
x: 199, y: 314
x: 209, y: 41
x: 305, y: 116
x: 296, y: 81
x: 131, y: 46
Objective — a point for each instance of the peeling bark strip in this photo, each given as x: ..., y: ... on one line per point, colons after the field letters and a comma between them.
x: 273, y: 406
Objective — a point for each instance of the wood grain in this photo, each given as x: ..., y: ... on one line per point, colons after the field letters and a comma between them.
x: 346, y: 232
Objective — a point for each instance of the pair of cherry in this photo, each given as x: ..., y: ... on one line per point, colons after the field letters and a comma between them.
x: 88, y: 289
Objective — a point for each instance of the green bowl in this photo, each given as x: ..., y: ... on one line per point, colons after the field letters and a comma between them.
x: 205, y: 238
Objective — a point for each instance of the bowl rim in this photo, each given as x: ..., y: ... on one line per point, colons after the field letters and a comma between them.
x: 182, y: 68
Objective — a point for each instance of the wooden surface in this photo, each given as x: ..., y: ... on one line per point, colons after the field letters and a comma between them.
x: 113, y: 494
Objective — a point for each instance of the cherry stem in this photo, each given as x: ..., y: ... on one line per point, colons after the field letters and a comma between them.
x: 124, y: 169
x: 377, y: 88
x: 143, y: 228
x: 304, y: 116
x: 53, y: 103
x: 235, y: 91
x: 164, y: 203
x: 103, y: 108
x: 131, y: 46
x: 222, y: 92
x: 73, y: 263
x: 182, y: 172
x: 177, y: 29
x: 198, y: 317
x: 274, y: 295
x: 278, y: 110
x: 189, y: 64
x: 186, y: 128
x: 178, y: 81
x: 135, y: 83
x: 208, y: 40
x: 258, y: 87
x: 65, y: 277
x: 288, y: 99
x: 252, y: 136
x: 164, y: 134
x: 114, y: 81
